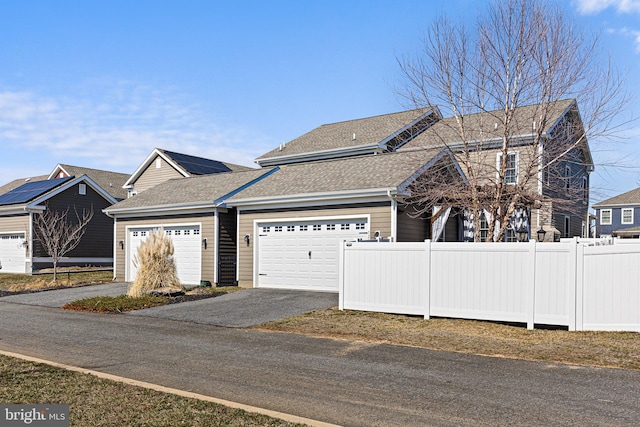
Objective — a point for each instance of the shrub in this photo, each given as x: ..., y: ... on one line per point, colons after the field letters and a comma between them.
x: 156, y: 267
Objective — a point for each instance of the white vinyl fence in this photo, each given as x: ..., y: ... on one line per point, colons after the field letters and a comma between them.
x: 578, y: 285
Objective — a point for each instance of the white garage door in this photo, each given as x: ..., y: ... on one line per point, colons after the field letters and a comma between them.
x: 12, y: 253
x: 187, y: 251
x: 304, y: 254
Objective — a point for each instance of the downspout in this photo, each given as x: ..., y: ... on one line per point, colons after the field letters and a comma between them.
x: 30, y: 243
x: 216, y: 247
x: 115, y: 247
x: 394, y: 217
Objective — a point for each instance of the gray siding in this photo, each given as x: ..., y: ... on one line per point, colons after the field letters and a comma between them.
x: 97, y: 241
x: 412, y: 229
x: 227, y: 247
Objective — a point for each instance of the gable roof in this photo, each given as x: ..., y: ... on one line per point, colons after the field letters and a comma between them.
x: 206, y: 191
x: 362, y: 136
x: 111, y: 182
x: 31, y: 195
x: 629, y: 198
x: 18, y: 182
x: 186, y: 165
x: 487, y: 126
x: 348, y: 178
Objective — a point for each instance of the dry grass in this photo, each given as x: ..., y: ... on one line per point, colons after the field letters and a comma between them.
x: 25, y: 282
x: 99, y: 402
x: 607, y: 349
x: 156, y: 267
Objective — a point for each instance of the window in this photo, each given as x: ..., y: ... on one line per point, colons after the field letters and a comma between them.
x: 484, y: 228
x: 360, y: 226
x: 605, y: 217
x: 158, y: 163
x: 511, y: 172
x: 304, y: 227
x: 331, y: 227
x: 196, y: 231
x: 567, y: 227
x: 82, y: 189
x: 291, y: 228
x: 187, y: 232
x: 278, y: 228
x: 317, y: 227
x: 627, y: 216
x: 344, y: 226
x: 511, y: 235
x: 266, y: 229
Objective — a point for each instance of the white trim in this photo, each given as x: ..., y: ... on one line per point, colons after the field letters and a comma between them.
x: 115, y: 247
x: 216, y: 246
x: 152, y: 211
x: 238, y: 246
x: 147, y: 162
x: 82, y: 178
x: 622, y: 221
x: 311, y: 199
x: 602, y: 216
x: 498, y: 161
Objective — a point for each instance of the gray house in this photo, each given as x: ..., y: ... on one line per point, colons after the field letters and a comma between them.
x: 67, y: 188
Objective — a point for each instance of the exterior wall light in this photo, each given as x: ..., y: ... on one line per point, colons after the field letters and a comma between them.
x: 121, y: 242
x: 541, y: 234
x: 247, y: 239
x: 204, y: 243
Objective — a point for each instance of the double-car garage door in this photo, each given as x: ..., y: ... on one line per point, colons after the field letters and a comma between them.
x: 12, y: 253
x: 187, y: 251
x: 304, y: 254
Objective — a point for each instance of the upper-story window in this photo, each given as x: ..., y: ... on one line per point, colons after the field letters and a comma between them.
x: 82, y: 189
x: 158, y: 163
x: 627, y: 216
x: 511, y: 171
x: 605, y: 217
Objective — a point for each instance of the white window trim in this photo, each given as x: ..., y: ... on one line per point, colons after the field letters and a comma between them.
x: 602, y: 211
x: 158, y: 163
x: 498, y: 161
x: 622, y: 221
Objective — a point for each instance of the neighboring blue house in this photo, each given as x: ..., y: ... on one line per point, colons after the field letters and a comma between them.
x: 619, y: 216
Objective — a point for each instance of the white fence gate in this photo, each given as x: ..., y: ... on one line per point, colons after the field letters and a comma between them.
x: 567, y: 284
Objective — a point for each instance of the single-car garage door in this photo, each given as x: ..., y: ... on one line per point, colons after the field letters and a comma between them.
x: 187, y: 251
x: 304, y: 254
x: 12, y: 253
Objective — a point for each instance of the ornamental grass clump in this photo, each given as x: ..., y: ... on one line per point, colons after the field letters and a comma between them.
x: 155, y: 264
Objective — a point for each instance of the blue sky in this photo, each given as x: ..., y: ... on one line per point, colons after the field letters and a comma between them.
x: 101, y: 83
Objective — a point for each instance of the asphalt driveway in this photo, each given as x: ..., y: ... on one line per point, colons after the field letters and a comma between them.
x: 241, y: 309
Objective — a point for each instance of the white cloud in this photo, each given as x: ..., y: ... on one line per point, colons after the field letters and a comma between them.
x: 627, y: 32
x: 588, y: 7
x: 116, y: 128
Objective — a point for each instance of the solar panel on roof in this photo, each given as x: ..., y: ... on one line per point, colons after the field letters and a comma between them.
x: 198, y: 165
x: 30, y: 191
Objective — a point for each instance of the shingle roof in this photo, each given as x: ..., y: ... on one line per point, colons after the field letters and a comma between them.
x: 368, y: 131
x: 352, y: 173
x: 198, y: 190
x: 18, y: 182
x: 482, y: 126
x: 111, y: 182
x: 195, y: 165
x: 629, y: 198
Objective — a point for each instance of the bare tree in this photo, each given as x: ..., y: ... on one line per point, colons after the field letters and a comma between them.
x: 508, y: 78
x: 58, y: 234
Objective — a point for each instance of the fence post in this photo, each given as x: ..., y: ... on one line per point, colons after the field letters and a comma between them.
x: 579, y: 288
x: 571, y: 284
x: 427, y: 280
x: 341, y: 276
x: 531, y: 282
